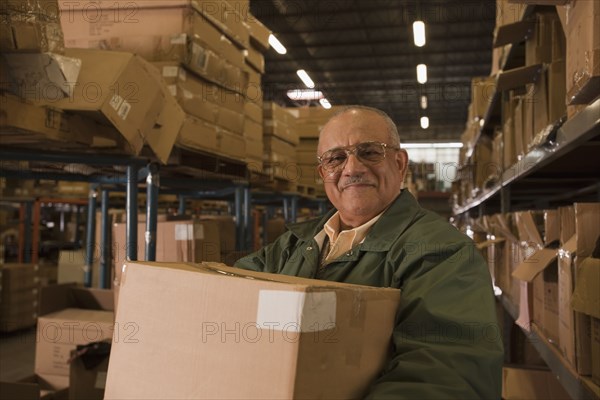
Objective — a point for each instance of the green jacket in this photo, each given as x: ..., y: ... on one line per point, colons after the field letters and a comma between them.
x: 447, y: 340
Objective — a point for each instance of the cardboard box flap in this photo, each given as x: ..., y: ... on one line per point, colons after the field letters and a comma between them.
x: 519, y: 77
x: 586, y: 296
x: 569, y: 247
x: 528, y: 231
x: 514, y: 33
x: 528, y: 269
x: 489, y: 242
x: 57, y: 297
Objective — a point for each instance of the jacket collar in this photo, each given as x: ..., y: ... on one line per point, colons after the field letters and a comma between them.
x: 399, y: 215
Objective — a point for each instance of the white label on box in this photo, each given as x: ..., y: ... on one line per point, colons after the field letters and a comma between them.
x: 172, y: 90
x: 100, y: 380
x: 170, y: 71
x: 124, y: 110
x: 183, y: 232
x: 290, y: 311
x: 115, y: 102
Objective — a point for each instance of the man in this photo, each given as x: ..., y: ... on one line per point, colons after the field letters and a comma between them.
x: 446, y: 342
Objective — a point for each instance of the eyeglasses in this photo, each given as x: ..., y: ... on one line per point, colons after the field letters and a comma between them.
x: 368, y: 153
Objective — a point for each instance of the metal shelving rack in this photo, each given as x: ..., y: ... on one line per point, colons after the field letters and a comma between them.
x: 564, y: 169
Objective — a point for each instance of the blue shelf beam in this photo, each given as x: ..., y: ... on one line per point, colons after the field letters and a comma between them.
x: 105, y: 246
x: 91, y: 237
x: 152, y: 185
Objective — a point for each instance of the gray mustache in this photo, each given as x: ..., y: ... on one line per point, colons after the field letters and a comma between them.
x: 357, y: 179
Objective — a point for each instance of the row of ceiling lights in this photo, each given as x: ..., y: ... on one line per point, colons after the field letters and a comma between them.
x: 311, y: 94
x: 419, y: 39
x: 301, y: 94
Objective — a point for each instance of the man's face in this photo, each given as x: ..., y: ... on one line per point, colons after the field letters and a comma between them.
x: 361, y: 190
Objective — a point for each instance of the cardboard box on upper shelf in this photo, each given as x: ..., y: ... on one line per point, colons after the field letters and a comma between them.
x: 531, y: 383
x: 260, y: 322
x: 117, y: 89
x: 583, y: 51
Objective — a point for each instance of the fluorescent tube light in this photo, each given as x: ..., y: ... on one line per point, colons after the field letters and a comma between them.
x: 424, y: 102
x: 305, y: 78
x: 305, y: 94
x: 424, y: 122
x: 325, y: 103
x: 422, y: 73
x: 419, y: 33
x: 276, y: 44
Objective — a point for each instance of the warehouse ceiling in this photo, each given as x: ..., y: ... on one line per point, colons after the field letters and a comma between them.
x: 362, y: 52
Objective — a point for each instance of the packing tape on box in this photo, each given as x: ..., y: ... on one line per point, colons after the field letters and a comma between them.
x: 296, y: 311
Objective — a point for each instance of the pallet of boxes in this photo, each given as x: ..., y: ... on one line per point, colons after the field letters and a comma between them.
x: 203, y: 52
x: 280, y: 140
x: 309, y: 122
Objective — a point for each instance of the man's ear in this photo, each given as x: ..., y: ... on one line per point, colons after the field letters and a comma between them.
x: 321, y: 172
x: 402, y: 161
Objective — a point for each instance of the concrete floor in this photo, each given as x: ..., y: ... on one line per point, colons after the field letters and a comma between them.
x: 17, y: 355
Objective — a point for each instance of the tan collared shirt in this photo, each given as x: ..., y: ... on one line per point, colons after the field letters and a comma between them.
x: 341, y: 242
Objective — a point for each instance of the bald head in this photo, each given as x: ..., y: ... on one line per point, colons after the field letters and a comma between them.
x: 358, y: 111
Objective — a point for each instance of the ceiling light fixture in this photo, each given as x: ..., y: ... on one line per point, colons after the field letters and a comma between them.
x: 305, y: 94
x: 305, y: 78
x: 424, y: 102
x: 325, y: 103
x: 424, y: 122
x: 276, y: 44
x: 419, y: 33
x: 422, y: 73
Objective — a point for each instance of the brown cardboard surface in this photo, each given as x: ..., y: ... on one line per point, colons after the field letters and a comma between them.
x: 586, y: 296
x: 197, y: 134
x: 253, y: 130
x: 227, y: 231
x: 230, y: 144
x: 259, y: 34
x: 17, y: 277
x: 209, y: 348
x: 163, y: 134
x: 538, y: 47
x: 583, y: 50
x: 557, y: 91
x: 32, y: 387
x: 551, y: 226
x: 254, y: 151
x: 482, y: 92
x: 522, y: 383
x: 255, y: 59
x: 253, y: 111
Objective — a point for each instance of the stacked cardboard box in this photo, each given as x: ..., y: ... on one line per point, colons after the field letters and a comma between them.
x: 280, y: 141
x: 255, y: 66
x: 208, y: 51
x: 198, y: 336
x: 309, y: 122
x: 18, y: 296
x: 176, y: 241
